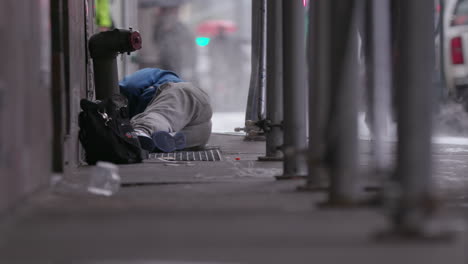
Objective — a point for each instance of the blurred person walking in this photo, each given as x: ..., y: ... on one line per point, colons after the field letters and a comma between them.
x: 175, y: 42
x: 103, y: 15
x: 226, y: 69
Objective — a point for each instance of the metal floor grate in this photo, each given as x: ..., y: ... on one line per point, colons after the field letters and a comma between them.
x: 212, y: 154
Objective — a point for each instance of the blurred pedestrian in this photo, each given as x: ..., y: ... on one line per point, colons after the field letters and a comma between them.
x: 175, y: 43
x: 103, y: 15
x: 226, y: 67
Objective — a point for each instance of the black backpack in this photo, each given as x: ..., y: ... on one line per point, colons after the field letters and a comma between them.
x: 106, y: 133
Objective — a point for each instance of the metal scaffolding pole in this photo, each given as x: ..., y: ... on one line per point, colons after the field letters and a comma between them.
x: 414, y: 98
x: 257, y: 78
x: 342, y: 154
x: 294, y: 88
x: 255, y: 110
x: 319, y: 89
x: 379, y: 77
x: 274, y: 83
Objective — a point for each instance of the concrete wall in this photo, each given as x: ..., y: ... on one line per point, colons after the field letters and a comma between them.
x: 25, y: 108
x: 72, y: 77
x: 31, y: 119
x: 77, y: 80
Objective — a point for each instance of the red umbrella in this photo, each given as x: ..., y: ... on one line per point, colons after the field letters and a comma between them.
x: 213, y: 27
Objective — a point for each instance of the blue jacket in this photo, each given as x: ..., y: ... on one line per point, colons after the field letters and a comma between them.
x: 141, y: 86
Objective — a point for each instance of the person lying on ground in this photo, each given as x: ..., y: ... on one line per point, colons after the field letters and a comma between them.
x: 167, y: 113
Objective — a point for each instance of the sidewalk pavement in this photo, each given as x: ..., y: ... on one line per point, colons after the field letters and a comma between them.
x: 232, y: 211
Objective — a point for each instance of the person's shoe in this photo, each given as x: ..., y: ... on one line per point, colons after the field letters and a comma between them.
x: 167, y: 142
x: 146, y: 142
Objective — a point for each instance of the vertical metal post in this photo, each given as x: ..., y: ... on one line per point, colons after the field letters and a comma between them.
x: 379, y: 76
x: 342, y: 129
x: 441, y: 59
x: 274, y: 82
x: 415, y: 98
x: 257, y: 78
x: 58, y: 82
x: 262, y: 81
x: 294, y: 88
x: 319, y: 88
x: 106, y: 77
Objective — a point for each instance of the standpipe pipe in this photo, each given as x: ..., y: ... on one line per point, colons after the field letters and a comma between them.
x: 104, y: 48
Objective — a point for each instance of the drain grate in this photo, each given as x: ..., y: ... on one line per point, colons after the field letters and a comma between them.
x: 212, y: 154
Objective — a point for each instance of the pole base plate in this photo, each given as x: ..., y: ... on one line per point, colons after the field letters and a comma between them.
x: 290, y: 177
x: 397, y: 235
x: 312, y: 188
x: 268, y: 158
